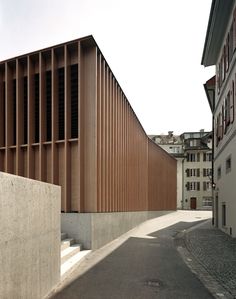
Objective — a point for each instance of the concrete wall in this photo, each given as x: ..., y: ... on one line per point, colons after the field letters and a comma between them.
x: 94, y: 230
x: 30, y: 237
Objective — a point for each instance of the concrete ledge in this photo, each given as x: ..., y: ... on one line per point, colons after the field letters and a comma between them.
x: 94, y: 230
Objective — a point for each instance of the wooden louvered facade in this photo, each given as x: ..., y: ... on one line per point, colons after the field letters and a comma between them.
x: 65, y: 120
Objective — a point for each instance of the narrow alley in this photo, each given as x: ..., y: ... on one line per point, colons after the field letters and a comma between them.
x: 144, y: 263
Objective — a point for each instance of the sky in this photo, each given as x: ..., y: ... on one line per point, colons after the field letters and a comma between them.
x: 154, y: 48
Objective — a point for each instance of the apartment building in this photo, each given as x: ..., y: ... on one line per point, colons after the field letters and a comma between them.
x: 220, y: 51
x: 193, y: 152
x: 197, y: 170
x: 64, y: 119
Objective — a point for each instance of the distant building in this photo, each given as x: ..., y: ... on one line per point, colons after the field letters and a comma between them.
x: 220, y: 50
x: 197, y: 170
x: 193, y: 152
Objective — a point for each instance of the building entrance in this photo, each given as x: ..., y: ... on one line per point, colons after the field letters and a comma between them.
x: 193, y: 203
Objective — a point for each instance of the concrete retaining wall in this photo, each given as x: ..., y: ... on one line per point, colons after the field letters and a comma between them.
x: 30, y: 237
x: 94, y: 230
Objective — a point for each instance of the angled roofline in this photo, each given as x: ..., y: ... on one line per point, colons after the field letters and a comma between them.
x: 217, y: 23
x: 90, y: 40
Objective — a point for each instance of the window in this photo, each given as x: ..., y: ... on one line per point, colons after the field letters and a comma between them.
x: 194, y: 142
x: 191, y: 157
x: 207, y: 172
x: 193, y: 172
x: 228, y: 164
x: 227, y: 112
x: 207, y: 157
x: 207, y: 186
x: 223, y: 214
x: 193, y: 186
x: 207, y: 202
x: 174, y: 149
x: 219, y: 172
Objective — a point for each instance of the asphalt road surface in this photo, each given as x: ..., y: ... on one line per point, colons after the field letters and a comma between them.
x: 142, y: 267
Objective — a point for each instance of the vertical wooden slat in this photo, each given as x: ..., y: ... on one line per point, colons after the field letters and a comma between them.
x: 30, y: 116
x: 106, y: 138
x: 19, y: 117
x: 103, y: 135
x: 88, y: 142
x: 2, y: 108
x: 117, y: 149
x: 54, y: 172
x: 42, y: 117
x: 9, y: 117
x: 113, y: 143
x: 99, y: 134
x: 109, y: 144
x: 81, y: 205
x: 67, y: 155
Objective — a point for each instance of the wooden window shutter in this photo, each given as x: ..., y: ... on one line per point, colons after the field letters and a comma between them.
x: 216, y: 129
x: 234, y: 30
x: 223, y: 119
x: 227, y: 109
x: 226, y: 52
x: 204, y: 186
x: 223, y: 64
x: 232, y: 104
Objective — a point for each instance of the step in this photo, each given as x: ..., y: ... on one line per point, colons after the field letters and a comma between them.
x: 69, y: 252
x: 63, y: 236
x: 68, y: 266
x: 67, y: 243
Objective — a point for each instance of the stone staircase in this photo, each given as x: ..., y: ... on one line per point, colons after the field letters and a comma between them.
x: 71, y: 254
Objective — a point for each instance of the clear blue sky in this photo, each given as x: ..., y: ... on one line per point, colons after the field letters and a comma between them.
x: 153, y: 47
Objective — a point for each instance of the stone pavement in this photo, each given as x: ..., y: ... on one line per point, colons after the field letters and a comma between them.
x: 211, y: 254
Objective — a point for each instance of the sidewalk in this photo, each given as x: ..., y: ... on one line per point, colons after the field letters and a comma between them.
x: 215, y: 253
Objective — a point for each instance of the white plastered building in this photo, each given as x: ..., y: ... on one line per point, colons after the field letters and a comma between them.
x: 220, y: 50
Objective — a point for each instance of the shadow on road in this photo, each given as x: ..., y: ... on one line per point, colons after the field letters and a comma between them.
x: 140, y: 268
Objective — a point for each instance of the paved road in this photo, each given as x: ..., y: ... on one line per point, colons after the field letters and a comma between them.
x: 146, y: 264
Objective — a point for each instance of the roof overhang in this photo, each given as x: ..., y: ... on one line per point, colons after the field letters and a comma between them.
x: 209, y: 87
x: 218, y: 21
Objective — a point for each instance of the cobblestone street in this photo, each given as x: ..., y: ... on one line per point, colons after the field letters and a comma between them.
x: 216, y: 253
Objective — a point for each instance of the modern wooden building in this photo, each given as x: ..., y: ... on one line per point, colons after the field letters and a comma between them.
x: 65, y: 120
